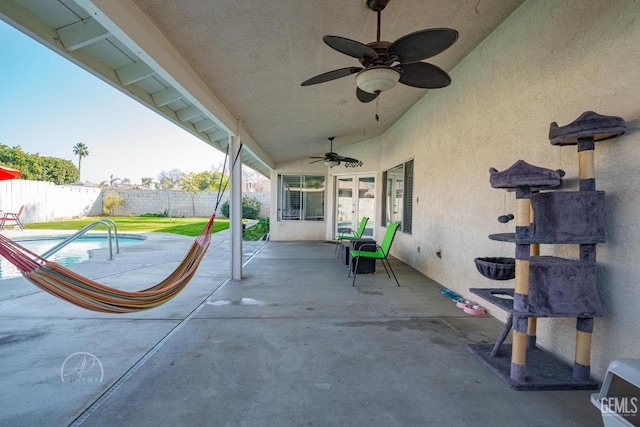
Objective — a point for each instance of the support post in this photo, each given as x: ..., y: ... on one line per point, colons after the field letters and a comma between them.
x: 235, y: 207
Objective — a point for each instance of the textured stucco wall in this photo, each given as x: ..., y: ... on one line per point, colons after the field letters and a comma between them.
x: 550, y: 61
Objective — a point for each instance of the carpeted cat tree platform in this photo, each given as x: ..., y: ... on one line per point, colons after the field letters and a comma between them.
x: 547, y: 286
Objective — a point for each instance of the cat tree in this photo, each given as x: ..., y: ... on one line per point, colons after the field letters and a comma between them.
x: 548, y: 286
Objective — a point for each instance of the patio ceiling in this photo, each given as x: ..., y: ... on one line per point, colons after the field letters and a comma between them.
x: 234, y: 67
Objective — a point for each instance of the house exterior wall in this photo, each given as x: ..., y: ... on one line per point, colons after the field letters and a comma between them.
x: 550, y: 61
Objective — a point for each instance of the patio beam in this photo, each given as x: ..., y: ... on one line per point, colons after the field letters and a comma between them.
x: 165, y: 96
x: 218, y: 135
x: 205, y: 125
x: 81, y: 34
x: 133, y: 73
x: 188, y: 113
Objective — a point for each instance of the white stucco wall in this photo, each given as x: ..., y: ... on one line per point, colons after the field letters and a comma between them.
x: 550, y: 61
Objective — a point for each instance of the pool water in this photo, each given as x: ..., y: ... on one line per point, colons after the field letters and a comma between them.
x: 74, y: 252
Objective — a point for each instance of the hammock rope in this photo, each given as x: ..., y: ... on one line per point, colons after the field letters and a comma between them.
x: 86, y: 293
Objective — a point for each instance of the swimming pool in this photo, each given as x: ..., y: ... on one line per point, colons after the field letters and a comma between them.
x: 74, y: 252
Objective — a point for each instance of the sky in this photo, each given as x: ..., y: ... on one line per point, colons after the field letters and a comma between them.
x: 49, y: 104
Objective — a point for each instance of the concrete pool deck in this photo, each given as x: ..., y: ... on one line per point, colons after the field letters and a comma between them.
x: 292, y: 343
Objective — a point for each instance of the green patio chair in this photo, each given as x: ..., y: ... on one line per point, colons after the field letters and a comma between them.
x: 353, y: 236
x: 371, y: 250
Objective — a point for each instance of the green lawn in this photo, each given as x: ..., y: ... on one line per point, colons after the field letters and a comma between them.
x: 184, y: 226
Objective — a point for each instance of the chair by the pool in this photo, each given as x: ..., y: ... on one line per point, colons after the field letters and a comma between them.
x: 381, y: 252
x: 11, y: 217
x: 353, y: 235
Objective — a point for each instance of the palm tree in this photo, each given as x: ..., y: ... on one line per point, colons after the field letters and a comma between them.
x: 113, y: 180
x: 81, y: 151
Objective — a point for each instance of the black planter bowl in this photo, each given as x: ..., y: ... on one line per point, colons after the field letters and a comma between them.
x: 496, y: 268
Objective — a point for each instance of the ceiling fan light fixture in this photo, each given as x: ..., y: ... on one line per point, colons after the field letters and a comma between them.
x: 377, y: 79
x: 331, y: 163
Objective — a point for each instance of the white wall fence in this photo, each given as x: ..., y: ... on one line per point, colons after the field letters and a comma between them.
x: 45, y: 201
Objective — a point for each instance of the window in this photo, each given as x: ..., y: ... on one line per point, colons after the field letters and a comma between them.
x: 301, y: 197
x: 398, y: 196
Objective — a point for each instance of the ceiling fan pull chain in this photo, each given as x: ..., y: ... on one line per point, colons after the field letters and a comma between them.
x: 377, y: 105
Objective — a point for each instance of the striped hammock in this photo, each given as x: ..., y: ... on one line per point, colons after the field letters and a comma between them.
x: 83, y: 292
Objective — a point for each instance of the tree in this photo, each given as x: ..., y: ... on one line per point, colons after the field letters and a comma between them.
x: 147, y: 181
x: 253, y: 180
x: 113, y: 180
x: 81, y: 151
x: 39, y: 168
x: 168, y: 181
x: 59, y: 171
x: 189, y: 182
x: 212, y: 180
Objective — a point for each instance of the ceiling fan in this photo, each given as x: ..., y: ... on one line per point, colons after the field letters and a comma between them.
x: 378, y: 72
x: 332, y: 159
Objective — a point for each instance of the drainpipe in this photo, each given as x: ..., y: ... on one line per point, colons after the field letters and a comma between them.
x: 235, y: 207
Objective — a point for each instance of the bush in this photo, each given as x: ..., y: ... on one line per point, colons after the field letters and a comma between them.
x: 111, y: 202
x: 257, y: 231
x: 250, y: 208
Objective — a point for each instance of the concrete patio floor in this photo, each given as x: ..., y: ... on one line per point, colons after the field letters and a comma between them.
x: 293, y: 343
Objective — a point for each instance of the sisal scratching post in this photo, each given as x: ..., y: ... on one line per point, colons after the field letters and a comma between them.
x: 521, y: 293
x: 533, y: 321
x: 584, y: 325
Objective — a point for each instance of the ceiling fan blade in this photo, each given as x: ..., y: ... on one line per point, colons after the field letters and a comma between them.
x: 331, y: 75
x: 350, y: 47
x: 365, y: 96
x: 423, y: 75
x: 423, y: 44
x: 347, y: 159
x: 316, y: 161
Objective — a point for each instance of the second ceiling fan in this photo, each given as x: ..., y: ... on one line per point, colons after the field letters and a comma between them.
x: 332, y: 159
x: 385, y: 63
